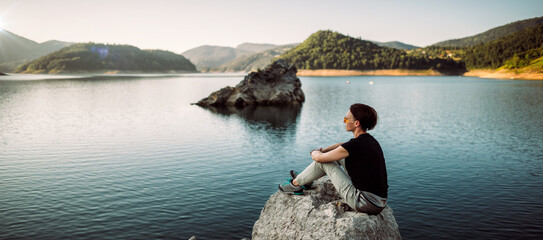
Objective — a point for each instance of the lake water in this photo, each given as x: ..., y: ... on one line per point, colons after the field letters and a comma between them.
x: 128, y: 157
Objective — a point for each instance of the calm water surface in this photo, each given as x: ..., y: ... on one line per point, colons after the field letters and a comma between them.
x: 100, y: 157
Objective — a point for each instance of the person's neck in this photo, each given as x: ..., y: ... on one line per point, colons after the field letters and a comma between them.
x: 358, y: 131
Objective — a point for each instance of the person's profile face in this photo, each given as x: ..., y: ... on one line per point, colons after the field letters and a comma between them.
x: 349, y: 121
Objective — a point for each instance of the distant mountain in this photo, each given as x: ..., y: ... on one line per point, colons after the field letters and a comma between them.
x: 211, y: 56
x: 207, y: 56
x: 253, y: 62
x: 16, y: 50
x: 492, y: 34
x: 255, y: 47
x: 396, y: 44
x: 92, y: 57
x: 53, y: 45
x: 332, y: 50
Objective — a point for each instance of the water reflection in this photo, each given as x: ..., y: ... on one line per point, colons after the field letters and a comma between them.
x: 264, y: 130
x: 274, y: 117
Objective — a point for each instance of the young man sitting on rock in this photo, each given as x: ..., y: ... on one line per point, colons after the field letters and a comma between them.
x: 363, y: 182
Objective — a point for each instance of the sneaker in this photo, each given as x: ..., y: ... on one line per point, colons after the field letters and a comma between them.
x: 294, y: 174
x: 289, y: 188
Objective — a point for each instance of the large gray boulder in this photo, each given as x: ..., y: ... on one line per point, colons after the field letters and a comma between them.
x: 320, y: 214
x: 275, y: 85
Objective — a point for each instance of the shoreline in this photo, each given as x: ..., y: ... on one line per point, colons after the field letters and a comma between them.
x: 505, y: 74
x: 381, y: 72
x: 500, y: 74
x: 104, y: 72
x: 532, y: 75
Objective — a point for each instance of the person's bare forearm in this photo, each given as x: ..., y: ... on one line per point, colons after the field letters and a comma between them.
x: 331, y: 147
x: 328, y: 149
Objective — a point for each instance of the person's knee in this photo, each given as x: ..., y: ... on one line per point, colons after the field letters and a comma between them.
x: 326, y: 166
x: 319, y: 165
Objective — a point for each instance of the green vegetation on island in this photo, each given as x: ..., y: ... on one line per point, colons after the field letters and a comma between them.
x: 332, y: 50
x: 93, y: 57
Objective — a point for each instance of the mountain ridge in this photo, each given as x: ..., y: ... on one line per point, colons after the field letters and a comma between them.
x: 207, y: 56
x: 491, y: 34
x: 252, y: 62
x: 397, y: 45
x: 16, y: 50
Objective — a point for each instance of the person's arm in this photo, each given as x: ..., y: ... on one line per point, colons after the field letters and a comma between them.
x: 336, y: 154
x: 328, y: 149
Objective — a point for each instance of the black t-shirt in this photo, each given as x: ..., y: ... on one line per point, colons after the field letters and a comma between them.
x: 366, y: 165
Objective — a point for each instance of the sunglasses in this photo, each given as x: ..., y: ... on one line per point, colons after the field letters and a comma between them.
x: 346, y: 120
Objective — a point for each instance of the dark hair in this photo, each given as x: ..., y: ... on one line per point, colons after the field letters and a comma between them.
x: 366, y: 115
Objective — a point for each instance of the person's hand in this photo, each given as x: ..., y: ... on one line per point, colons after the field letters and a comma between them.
x: 316, y: 153
x: 316, y: 149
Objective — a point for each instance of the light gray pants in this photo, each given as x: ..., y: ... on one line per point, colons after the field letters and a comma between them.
x: 355, y: 198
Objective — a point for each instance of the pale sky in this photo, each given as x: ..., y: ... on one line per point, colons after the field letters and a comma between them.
x: 184, y: 24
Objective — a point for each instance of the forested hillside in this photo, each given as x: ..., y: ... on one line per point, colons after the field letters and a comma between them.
x: 492, y: 34
x: 332, y: 50
x: 531, y: 59
x: 92, y: 57
x: 495, y: 53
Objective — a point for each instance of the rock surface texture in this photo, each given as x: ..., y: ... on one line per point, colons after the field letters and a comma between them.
x: 275, y: 85
x: 320, y: 214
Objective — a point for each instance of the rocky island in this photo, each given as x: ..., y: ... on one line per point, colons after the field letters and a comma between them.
x: 275, y: 85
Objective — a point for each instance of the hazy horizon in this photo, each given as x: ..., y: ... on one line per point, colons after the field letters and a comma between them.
x: 178, y: 26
